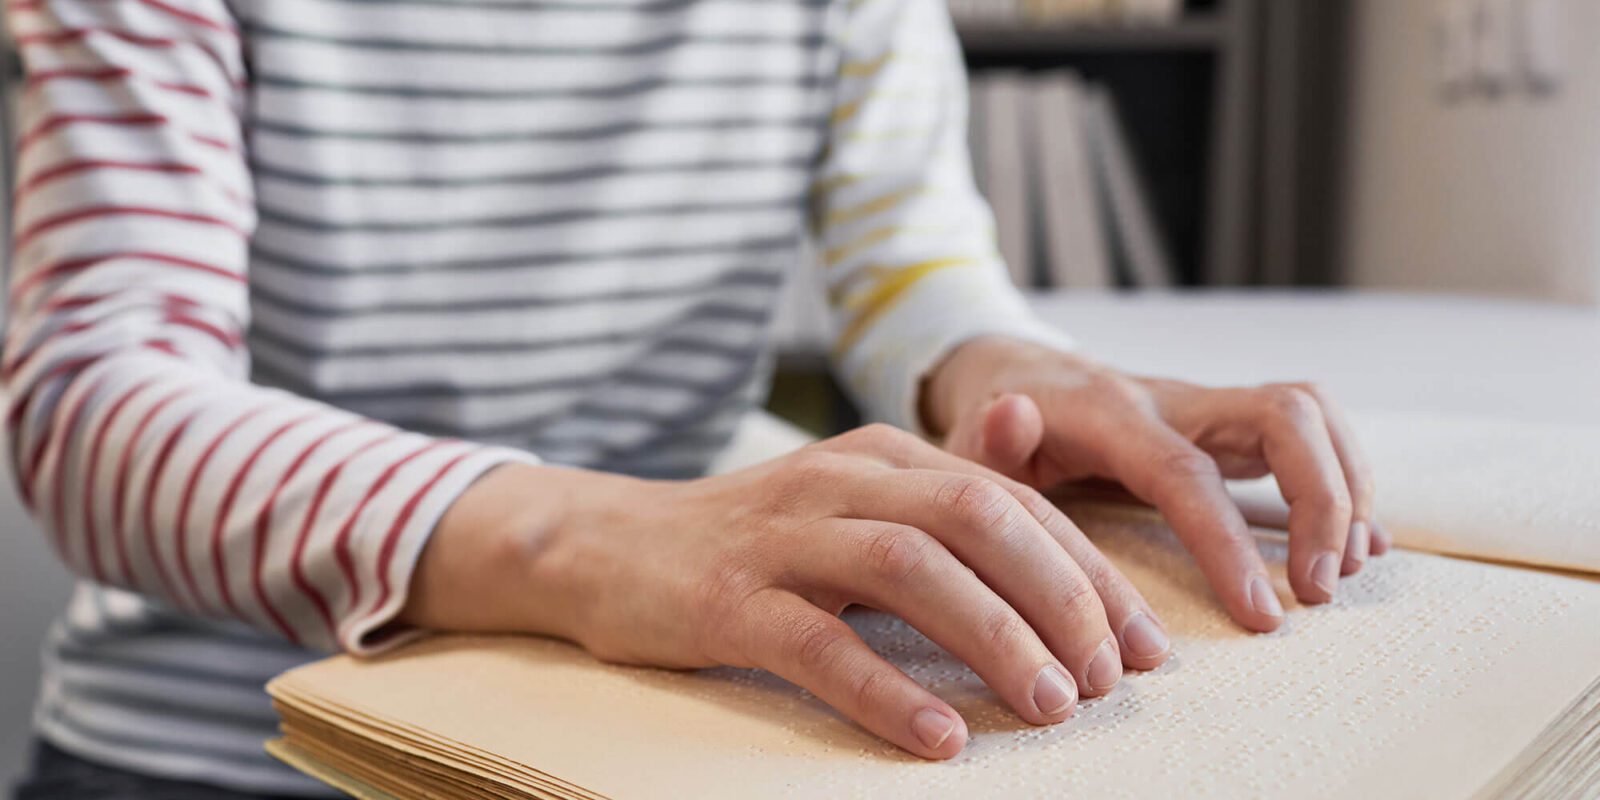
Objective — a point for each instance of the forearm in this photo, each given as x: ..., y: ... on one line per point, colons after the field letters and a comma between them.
x: 504, y: 557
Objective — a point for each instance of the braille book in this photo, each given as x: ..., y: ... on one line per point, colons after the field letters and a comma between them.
x: 1428, y: 676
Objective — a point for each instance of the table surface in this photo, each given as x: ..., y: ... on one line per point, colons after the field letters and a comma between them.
x: 1374, y: 351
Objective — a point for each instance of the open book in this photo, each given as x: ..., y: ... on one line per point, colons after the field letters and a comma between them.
x: 1429, y: 676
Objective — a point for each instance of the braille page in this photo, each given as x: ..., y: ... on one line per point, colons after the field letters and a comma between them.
x: 1425, y: 678
x: 1498, y: 489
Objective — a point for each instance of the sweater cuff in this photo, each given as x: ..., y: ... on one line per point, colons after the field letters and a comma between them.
x: 885, y: 368
x: 431, y: 492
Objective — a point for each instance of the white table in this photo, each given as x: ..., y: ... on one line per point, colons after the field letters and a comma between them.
x: 1414, y: 353
x: 1376, y: 351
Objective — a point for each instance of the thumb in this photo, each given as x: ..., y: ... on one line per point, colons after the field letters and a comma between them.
x: 1002, y: 435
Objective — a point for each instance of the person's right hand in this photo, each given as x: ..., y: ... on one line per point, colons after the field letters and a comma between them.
x: 752, y: 569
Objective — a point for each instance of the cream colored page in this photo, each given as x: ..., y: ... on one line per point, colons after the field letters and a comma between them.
x: 1425, y: 678
x: 1498, y: 489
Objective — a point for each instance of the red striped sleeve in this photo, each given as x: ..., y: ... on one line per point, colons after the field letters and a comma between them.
x: 97, y: 443
x: 27, y: 469
x: 227, y: 338
x: 74, y: 35
x: 297, y: 562
x: 120, y: 494
x: 130, y: 261
x: 169, y: 587
x: 61, y: 446
x: 263, y: 532
x: 123, y: 258
x: 219, y: 559
x: 73, y: 167
x: 109, y: 74
x: 26, y: 236
x: 392, y: 539
x: 158, y: 5
x: 341, y: 544
x: 25, y: 355
x: 191, y: 485
x: 49, y: 125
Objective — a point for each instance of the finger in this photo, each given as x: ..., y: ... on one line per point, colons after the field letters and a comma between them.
x: 1164, y: 469
x: 1299, y: 451
x: 903, y: 570
x: 1003, y: 435
x: 1382, y: 540
x: 1140, y: 637
x: 1144, y: 642
x: 1358, y: 478
x: 800, y: 643
x: 1357, y: 547
x: 990, y: 532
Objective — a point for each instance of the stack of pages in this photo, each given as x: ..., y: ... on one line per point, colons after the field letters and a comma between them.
x: 1429, y: 676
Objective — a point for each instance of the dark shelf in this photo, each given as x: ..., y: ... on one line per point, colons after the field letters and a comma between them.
x: 1194, y: 32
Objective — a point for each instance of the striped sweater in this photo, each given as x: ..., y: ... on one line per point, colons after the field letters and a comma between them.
x: 288, y: 275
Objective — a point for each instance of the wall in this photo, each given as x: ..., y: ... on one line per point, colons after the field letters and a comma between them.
x: 1482, y: 195
x: 33, y: 589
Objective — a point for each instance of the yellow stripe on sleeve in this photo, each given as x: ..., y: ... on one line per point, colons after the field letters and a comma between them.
x: 876, y: 302
x: 876, y: 205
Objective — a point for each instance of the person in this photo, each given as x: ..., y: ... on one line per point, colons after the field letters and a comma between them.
x: 337, y: 321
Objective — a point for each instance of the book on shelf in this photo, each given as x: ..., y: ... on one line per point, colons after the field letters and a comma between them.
x: 1006, y: 168
x: 1069, y: 220
x: 1428, y: 676
x: 1140, y: 250
x: 977, y: 133
x: 1064, y: 11
x: 1071, y: 207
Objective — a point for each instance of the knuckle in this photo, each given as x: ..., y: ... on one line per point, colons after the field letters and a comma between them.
x: 1100, y: 574
x: 881, y: 434
x: 1293, y: 404
x: 815, y: 644
x: 809, y: 466
x: 1363, y: 488
x: 1003, y: 630
x: 1187, y: 464
x: 1032, y: 500
x: 977, y: 501
x: 1079, y: 598
x: 721, y: 595
x: 1331, y: 500
x: 868, y: 687
x: 1315, y: 390
x: 895, y: 555
x: 1117, y: 390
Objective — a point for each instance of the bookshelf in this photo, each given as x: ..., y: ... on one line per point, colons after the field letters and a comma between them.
x: 1195, y: 31
x: 1232, y: 112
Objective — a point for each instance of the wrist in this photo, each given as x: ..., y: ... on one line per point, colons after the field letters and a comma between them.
x: 984, y: 367
x: 501, y: 558
x: 967, y: 375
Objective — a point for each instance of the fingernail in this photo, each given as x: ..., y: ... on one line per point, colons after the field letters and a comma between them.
x: 1053, y: 692
x: 1105, y: 669
x: 1358, y: 547
x: 1325, y: 572
x: 1263, y: 599
x: 1143, y: 637
x: 932, y: 727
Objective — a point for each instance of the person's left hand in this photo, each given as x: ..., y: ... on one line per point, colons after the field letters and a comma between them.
x: 1046, y: 417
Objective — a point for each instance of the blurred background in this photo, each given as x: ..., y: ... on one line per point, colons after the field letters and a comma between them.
x: 1150, y: 146
x: 1429, y: 146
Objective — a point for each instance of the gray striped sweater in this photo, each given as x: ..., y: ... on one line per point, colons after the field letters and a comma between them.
x: 290, y: 274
